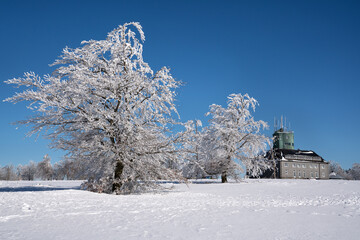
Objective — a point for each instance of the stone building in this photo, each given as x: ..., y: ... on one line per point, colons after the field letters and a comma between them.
x: 301, y: 164
x: 291, y: 163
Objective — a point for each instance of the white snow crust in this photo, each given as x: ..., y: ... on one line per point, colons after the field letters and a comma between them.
x: 251, y: 209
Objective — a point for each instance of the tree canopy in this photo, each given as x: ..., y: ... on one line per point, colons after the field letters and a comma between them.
x: 106, y: 106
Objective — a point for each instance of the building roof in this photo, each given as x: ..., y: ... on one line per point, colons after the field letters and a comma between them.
x: 295, y: 154
x: 335, y: 176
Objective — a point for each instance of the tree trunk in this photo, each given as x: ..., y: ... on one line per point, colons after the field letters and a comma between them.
x: 118, y: 171
x: 224, y: 178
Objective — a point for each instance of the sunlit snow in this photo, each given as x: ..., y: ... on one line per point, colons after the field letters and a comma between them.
x: 251, y: 209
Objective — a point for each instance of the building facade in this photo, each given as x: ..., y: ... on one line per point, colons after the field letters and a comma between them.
x: 291, y: 163
x: 300, y: 164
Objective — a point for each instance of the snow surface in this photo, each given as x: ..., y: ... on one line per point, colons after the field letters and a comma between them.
x: 251, y: 209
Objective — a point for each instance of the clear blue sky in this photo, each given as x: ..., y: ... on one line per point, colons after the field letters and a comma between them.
x: 300, y: 59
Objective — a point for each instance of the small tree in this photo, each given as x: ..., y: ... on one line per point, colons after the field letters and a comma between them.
x: 106, y: 107
x: 28, y: 172
x: 355, y: 171
x: 19, y: 172
x: 236, y: 136
x: 338, y: 170
x: 44, y: 168
x: 58, y: 172
x: 193, y: 164
x: 8, y: 173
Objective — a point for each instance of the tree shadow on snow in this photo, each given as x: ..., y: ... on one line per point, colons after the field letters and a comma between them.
x: 36, y: 189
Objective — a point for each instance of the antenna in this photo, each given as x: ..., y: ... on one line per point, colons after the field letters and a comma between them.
x: 274, y: 124
x: 282, y: 123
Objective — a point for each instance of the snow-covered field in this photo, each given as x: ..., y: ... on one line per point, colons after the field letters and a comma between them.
x: 251, y: 209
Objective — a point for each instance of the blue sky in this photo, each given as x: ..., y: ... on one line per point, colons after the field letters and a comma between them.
x: 300, y: 59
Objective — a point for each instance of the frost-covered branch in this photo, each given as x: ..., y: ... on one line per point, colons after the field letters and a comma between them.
x: 108, y: 108
x: 234, y: 138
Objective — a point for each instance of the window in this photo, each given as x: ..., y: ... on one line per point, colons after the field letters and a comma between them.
x: 310, y: 166
x: 286, y: 172
x: 294, y: 165
x: 312, y: 174
x: 298, y: 165
x: 323, y: 174
x: 304, y: 174
x: 294, y: 174
x: 317, y: 174
x: 299, y: 174
x: 286, y: 164
x: 303, y: 165
x: 322, y: 166
x: 315, y: 166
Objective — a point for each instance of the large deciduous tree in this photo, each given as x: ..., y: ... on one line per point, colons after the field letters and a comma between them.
x: 234, y: 137
x: 105, y: 106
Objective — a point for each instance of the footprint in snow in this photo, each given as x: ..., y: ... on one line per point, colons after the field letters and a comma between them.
x: 26, y: 208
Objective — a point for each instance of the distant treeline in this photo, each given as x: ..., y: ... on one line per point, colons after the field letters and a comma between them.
x: 44, y: 170
x: 350, y: 174
x: 75, y: 170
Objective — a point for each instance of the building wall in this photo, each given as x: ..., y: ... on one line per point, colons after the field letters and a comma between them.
x: 304, y: 169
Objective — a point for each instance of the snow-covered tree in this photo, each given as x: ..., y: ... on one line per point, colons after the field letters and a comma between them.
x: 8, y: 173
x: 259, y: 165
x: 106, y: 107
x: 18, y: 172
x: 193, y: 164
x: 69, y: 169
x: 45, y: 169
x: 235, y: 136
x: 338, y: 170
x: 58, y: 171
x: 355, y: 171
x: 28, y: 172
x: 209, y: 153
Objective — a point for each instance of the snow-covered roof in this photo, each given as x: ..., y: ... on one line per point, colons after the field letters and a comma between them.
x: 295, y: 155
x: 335, y: 176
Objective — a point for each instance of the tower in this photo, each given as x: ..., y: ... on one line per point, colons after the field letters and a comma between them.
x: 283, y: 139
